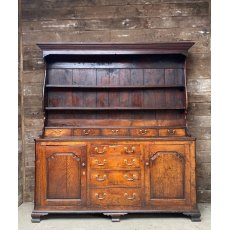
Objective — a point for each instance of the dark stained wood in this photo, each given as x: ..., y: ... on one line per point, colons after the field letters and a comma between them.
x: 115, y: 139
x: 108, y: 49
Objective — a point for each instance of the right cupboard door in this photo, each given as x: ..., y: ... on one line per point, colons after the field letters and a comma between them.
x: 170, y: 174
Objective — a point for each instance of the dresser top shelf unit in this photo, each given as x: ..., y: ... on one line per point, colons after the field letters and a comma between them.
x: 143, y: 83
x: 112, y: 48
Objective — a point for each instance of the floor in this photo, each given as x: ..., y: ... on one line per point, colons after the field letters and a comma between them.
x: 128, y: 222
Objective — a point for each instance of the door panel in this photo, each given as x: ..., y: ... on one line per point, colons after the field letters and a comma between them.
x: 167, y: 174
x: 63, y: 175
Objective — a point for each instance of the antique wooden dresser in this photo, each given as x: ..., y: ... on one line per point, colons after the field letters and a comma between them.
x: 115, y: 138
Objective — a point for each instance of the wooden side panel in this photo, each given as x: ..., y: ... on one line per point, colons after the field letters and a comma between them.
x: 63, y: 176
x: 167, y: 175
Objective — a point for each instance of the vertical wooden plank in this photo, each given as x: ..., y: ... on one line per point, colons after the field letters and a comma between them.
x: 125, y: 79
x: 169, y: 77
x: 52, y: 78
x: 103, y: 76
x: 174, y: 77
x: 88, y: 77
x: 137, y: 95
x: 180, y: 98
x: 114, y: 95
x: 153, y: 98
x: 77, y: 95
x: 137, y: 77
x: 66, y: 77
x: 114, y: 77
x: 154, y: 77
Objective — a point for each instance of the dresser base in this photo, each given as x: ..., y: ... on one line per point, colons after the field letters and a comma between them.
x: 116, y: 215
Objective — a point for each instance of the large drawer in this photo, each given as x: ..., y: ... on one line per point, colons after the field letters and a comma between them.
x: 122, y: 178
x: 115, y: 196
x: 113, y: 162
x: 106, y: 149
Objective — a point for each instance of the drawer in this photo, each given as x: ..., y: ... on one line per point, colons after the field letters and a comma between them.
x: 86, y: 132
x: 114, y: 149
x: 126, y: 162
x: 57, y: 132
x: 144, y: 132
x: 172, y: 132
x: 115, y: 132
x: 115, y: 197
x: 102, y: 178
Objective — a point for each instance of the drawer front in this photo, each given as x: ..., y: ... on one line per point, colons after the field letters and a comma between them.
x: 86, y: 132
x: 114, y: 149
x: 126, y: 162
x: 144, y: 132
x: 115, y: 132
x: 172, y: 132
x: 57, y: 132
x: 102, y: 178
x: 115, y: 196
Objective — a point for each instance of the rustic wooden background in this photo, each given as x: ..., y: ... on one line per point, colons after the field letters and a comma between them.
x: 113, y: 21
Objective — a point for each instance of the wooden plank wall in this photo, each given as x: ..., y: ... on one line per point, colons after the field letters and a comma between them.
x: 20, y: 152
x: 117, y: 21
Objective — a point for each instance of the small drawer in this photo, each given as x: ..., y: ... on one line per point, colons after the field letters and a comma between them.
x: 144, y: 132
x: 86, y: 132
x: 113, y: 162
x: 114, y: 149
x: 115, y: 196
x: 115, y: 132
x: 172, y: 132
x: 57, y: 132
x: 102, y: 178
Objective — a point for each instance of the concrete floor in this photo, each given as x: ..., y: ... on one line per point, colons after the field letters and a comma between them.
x: 128, y: 222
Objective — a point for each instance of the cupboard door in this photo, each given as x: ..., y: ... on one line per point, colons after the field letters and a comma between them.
x: 62, y: 172
x: 168, y: 170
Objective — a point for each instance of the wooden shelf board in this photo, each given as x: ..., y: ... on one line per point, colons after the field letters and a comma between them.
x: 112, y: 108
x: 115, y: 87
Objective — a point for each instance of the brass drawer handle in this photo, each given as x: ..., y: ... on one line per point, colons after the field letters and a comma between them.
x: 101, y: 164
x: 86, y: 132
x: 134, y: 177
x: 171, y: 131
x: 142, y: 131
x: 100, y: 152
x: 100, y: 196
x: 131, y: 197
x: 115, y: 131
x: 129, y: 164
x: 129, y: 151
x: 100, y: 179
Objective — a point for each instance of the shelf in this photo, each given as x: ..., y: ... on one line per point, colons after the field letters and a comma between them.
x: 111, y: 108
x: 115, y: 87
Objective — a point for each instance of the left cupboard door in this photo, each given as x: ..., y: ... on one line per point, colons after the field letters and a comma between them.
x: 60, y: 176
